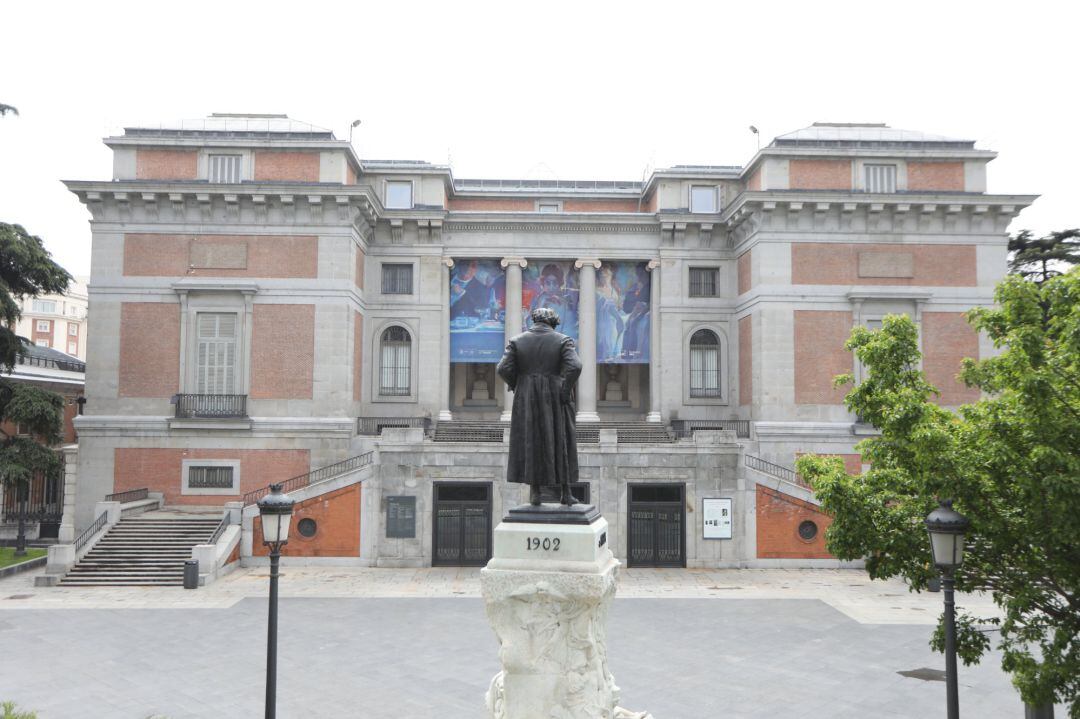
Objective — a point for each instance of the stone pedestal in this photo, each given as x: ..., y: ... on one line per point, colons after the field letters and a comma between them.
x: 547, y: 591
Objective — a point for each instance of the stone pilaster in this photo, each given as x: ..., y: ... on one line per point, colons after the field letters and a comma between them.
x: 71, y: 481
x: 655, y: 397
x: 513, y: 266
x: 444, y: 295
x: 586, y: 393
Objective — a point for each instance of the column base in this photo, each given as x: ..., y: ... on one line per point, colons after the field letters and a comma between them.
x: 653, y: 417
x: 588, y: 417
x: 445, y: 415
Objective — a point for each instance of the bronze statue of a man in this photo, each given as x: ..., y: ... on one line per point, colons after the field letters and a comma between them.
x: 541, y: 366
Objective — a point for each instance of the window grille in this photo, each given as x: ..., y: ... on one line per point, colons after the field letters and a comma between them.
x: 394, y: 369
x: 880, y: 178
x: 704, y: 364
x: 225, y: 168
x: 703, y: 281
x: 48, y: 306
x: 216, y: 350
x: 397, y: 279
x: 210, y: 477
x: 703, y: 198
x: 399, y: 195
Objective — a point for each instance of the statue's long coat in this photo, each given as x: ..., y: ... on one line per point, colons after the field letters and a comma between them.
x: 541, y: 367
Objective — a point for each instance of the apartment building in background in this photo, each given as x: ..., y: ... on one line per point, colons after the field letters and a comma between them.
x: 57, y: 321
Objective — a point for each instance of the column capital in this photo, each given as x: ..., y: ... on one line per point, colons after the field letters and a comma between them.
x: 519, y: 261
x: 448, y: 261
x: 653, y: 264
x: 595, y: 263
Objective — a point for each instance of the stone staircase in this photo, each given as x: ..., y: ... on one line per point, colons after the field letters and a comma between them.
x: 143, y: 550
x: 630, y: 432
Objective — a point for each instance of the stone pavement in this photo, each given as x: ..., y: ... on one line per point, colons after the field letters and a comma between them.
x: 404, y: 643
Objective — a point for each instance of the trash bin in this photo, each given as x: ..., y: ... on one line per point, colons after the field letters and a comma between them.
x: 191, y: 574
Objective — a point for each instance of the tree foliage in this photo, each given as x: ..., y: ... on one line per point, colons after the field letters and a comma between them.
x: 1010, y: 462
x: 5, y: 109
x: 26, y: 269
x: 1039, y: 259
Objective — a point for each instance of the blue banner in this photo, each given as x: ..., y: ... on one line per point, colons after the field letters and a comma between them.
x: 552, y: 284
x: 477, y: 311
x: 623, y: 318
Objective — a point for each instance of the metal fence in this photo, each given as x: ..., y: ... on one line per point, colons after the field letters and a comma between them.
x: 41, y: 499
x: 72, y: 365
x: 317, y: 475
x: 774, y: 470
x: 91, y: 531
x: 131, y: 495
x: 373, y: 426
x: 684, y: 428
x: 210, y: 406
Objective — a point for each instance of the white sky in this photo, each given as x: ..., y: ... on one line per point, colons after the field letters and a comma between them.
x: 569, y: 90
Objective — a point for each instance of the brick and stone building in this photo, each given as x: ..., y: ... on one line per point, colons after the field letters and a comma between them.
x: 264, y: 303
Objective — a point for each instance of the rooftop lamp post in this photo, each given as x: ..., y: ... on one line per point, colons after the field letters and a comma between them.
x: 275, y: 511
x: 946, y: 528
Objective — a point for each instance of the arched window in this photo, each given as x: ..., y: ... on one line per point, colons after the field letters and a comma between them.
x: 395, y: 353
x: 704, y: 364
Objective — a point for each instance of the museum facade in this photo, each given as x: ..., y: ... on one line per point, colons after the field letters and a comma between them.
x: 267, y: 306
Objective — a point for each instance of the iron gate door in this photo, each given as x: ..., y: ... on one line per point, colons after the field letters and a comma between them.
x: 657, y: 519
x: 462, y: 524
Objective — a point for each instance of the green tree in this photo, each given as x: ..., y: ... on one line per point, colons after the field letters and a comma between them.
x: 5, y: 109
x: 1039, y: 259
x: 1010, y: 462
x: 26, y: 270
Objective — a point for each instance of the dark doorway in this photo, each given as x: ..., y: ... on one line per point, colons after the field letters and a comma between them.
x: 656, y: 535
x: 462, y: 524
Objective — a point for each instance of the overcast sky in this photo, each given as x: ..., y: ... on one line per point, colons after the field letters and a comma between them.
x: 575, y: 90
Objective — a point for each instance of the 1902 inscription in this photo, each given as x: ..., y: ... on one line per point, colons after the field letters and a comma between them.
x: 548, y: 544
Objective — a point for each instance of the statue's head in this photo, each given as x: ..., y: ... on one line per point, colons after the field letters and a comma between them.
x: 546, y: 315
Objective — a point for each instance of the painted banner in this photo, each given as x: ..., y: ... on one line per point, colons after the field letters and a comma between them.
x: 622, y: 313
x: 553, y: 284
x: 477, y: 311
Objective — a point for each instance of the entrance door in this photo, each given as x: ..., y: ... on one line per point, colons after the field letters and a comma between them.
x: 657, y: 519
x: 462, y: 524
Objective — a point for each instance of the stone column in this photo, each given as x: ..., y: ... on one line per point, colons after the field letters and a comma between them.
x: 71, y: 481
x: 586, y: 392
x: 654, y: 342
x: 444, y: 294
x: 513, y: 266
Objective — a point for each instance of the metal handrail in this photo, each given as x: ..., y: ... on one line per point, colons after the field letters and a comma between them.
x: 774, y: 470
x: 204, y: 406
x: 315, y: 475
x: 91, y: 531
x: 131, y: 495
x: 373, y: 426
x: 220, y: 529
x: 72, y: 365
x: 686, y: 427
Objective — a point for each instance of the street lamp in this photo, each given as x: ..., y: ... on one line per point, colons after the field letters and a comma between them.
x: 275, y: 510
x: 946, y: 527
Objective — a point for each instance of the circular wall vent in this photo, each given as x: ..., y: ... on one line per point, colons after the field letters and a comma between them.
x: 807, y: 530
x: 307, y: 527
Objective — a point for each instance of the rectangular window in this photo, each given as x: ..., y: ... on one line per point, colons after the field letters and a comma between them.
x: 210, y: 477
x: 73, y: 348
x: 397, y: 279
x: 44, y: 326
x: 73, y: 330
x: 704, y: 281
x: 216, y: 353
x: 703, y: 198
x: 547, y: 207
x: 399, y: 195
x: 225, y: 168
x: 47, y: 306
x: 42, y: 343
x: 704, y: 372
x: 880, y: 178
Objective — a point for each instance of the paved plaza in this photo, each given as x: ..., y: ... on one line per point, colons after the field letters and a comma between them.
x: 402, y: 643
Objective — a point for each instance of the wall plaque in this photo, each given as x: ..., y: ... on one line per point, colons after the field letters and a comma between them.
x: 716, y: 514
x: 886, y: 264
x: 401, y: 517
x: 218, y: 255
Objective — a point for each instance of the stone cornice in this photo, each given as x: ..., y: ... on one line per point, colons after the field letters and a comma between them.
x: 613, y: 222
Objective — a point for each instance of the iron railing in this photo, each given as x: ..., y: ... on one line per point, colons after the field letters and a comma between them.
x: 210, y: 406
x: 684, y: 428
x: 775, y: 470
x: 51, y: 363
x: 373, y: 426
x: 39, y: 500
x: 316, y: 475
x: 131, y: 495
x: 90, y: 531
x: 220, y: 529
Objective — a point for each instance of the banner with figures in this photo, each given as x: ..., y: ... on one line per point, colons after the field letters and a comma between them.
x: 477, y: 311
x: 553, y: 284
x: 623, y: 318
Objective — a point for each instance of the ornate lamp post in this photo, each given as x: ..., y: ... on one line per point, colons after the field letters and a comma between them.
x: 946, y: 527
x: 275, y: 510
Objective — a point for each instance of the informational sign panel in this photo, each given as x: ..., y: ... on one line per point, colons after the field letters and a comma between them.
x: 622, y: 313
x: 717, y: 517
x: 477, y: 311
x: 552, y: 284
x: 401, y: 517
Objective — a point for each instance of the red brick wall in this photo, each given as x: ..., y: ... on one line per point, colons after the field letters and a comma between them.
x: 947, y: 339
x: 48, y: 335
x: 819, y: 175
x: 350, y: 174
x: 649, y: 205
x: 754, y: 182
x: 523, y: 204
x: 267, y: 255
x: 282, y: 351
x: 745, y: 281
x: 601, y: 205
x: 947, y: 176
x: 746, y: 360
x: 358, y: 277
x: 824, y: 263
x: 778, y: 520
x: 820, y: 355
x: 358, y: 355
x: 286, y: 166
x: 159, y: 469
x: 166, y: 164
x: 337, y: 526
x: 149, y: 349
